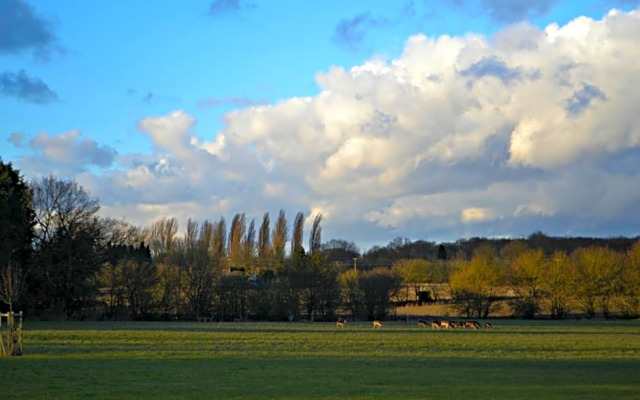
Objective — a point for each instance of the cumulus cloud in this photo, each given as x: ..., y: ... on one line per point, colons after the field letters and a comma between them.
x: 26, y: 88
x: 529, y: 129
x: 457, y: 129
x: 22, y: 29
x: 65, y: 154
x: 70, y: 148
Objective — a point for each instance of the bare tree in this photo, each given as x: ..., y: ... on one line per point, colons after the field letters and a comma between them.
x: 68, y: 247
x: 476, y: 283
x: 205, y: 237
x: 627, y: 297
x: 525, y: 275
x: 118, y: 232
x: 11, y: 284
x: 62, y: 208
x: 191, y: 235
x: 597, y: 271
x: 198, y: 272
x: 558, y: 285
x: 161, y: 236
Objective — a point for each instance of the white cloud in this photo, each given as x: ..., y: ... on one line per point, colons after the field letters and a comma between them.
x: 171, y: 132
x: 452, y: 123
x: 526, y: 130
x: 70, y: 148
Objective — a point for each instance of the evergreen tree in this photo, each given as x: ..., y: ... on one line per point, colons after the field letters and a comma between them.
x: 17, y: 218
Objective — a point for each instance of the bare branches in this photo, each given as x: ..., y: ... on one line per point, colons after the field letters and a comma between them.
x: 62, y: 207
x: 11, y: 284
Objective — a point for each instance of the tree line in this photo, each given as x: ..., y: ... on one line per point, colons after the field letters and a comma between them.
x: 60, y: 260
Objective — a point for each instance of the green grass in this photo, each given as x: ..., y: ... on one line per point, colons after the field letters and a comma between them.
x: 516, y: 360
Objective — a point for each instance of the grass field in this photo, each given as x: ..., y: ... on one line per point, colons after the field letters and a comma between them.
x: 515, y: 360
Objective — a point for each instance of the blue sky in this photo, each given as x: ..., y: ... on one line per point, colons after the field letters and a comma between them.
x: 432, y: 120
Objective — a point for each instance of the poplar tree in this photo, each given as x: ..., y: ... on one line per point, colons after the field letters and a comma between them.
x: 315, y: 238
x: 297, y: 236
x: 236, y: 235
x: 264, y: 244
x: 279, y: 237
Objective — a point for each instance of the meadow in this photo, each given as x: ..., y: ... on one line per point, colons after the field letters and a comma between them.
x: 177, y: 360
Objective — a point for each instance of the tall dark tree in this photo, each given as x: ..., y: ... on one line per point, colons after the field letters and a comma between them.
x: 17, y: 219
x: 378, y: 287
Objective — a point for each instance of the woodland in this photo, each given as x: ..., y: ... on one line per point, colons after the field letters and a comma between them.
x: 60, y: 260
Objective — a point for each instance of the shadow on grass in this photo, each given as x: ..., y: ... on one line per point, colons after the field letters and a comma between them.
x: 321, y: 378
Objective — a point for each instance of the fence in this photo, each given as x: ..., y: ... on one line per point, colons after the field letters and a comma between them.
x: 11, y: 340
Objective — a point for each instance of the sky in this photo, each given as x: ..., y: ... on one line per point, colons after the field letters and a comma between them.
x: 426, y: 120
